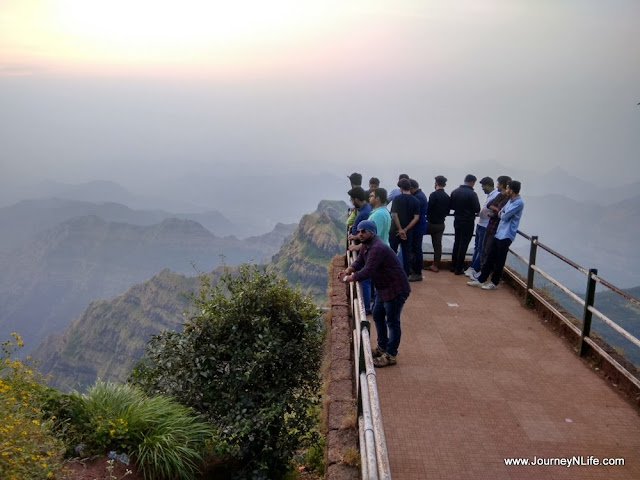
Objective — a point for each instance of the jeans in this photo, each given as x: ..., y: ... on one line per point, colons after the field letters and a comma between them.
x: 416, y: 253
x: 365, y: 285
x: 476, y: 260
x: 463, y: 236
x: 395, y: 241
x: 495, y: 261
x: 386, y: 316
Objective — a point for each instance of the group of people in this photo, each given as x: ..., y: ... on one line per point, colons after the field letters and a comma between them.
x: 382, y: 223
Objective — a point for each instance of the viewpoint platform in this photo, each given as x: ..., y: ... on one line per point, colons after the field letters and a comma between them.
x: 483, y: 389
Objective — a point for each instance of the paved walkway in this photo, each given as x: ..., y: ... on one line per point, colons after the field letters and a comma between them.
x: 480, y: 379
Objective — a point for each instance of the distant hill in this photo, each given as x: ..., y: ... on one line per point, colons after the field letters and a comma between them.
x: 109, y: 335
x: 594, y: 236
x: 24, y: 220
x: 320, y: 235
x: 50, y: 280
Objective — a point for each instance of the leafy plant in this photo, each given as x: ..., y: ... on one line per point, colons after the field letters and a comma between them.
x: 28, y: 447
x: 166, y: 439
x: 249, y: 360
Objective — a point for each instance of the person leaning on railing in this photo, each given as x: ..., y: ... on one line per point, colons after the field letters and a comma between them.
x: 378, y: 262
x: 510, y: 216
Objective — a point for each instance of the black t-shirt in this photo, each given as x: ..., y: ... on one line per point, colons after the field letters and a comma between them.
x: 406, y: 206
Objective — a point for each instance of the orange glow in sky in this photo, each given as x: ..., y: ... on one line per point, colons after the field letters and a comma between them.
x: 89, y: 34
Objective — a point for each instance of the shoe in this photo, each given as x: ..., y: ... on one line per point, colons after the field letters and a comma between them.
x: 414, y: 277
x: 476, y: 275
x: 475, y: 283
x: 385, y: 360
x: 377, y: 352
x: 470, y: 272
x: 459, y: 272
x: 433, y: 268
x: 489, y: 286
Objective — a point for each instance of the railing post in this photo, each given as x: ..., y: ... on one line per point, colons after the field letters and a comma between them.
x: 533, y: 250
x: 586, y: 316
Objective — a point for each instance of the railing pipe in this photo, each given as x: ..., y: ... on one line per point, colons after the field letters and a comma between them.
x: 530, y: 271
x: 369, y: 433
x: 587, y: 315
x: 373, y: 446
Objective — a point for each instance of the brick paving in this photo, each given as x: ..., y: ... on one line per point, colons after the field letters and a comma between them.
x: 480, y: 379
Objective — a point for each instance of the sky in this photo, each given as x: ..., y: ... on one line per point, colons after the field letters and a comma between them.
x: 177, y: 97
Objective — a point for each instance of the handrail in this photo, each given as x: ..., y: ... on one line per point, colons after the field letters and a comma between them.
x: 588, y: 303
x: 374, y: 459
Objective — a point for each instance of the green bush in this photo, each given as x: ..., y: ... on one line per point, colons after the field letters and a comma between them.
x: 28, y: 447
x: 249, y: 360
x: 166, y: 439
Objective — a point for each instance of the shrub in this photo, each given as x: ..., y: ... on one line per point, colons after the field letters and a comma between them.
x: 249, y: 360
x: 28, y: 448
x: 166, y: 439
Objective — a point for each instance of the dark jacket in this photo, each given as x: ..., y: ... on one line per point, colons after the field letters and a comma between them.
x: 465, y: 203
x: 379, y: 263
x: 438, y: 207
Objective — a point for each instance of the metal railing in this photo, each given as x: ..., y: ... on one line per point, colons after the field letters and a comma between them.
x: 587, y: 305
x: 374, y: 459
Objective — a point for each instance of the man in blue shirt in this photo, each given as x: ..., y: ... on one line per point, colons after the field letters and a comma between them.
x: 380, y: 215
x: 359, y: 198
x: 419, y: 230
x: 510, y: 216
x: 405, y: 212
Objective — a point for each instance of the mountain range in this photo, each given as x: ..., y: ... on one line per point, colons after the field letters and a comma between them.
x: 106, y: 339
x: 61, y: 255
x: 54, y: 263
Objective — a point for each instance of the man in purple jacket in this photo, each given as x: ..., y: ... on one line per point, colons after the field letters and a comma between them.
x: 378, y: 262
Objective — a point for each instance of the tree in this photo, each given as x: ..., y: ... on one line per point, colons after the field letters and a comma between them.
x: 249, y: 360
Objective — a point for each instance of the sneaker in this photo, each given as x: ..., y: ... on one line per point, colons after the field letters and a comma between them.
x: 414, y: 277
x: 385, y: 360
x: 433, y: 268
x: 475, y: 283
x: 476, y: 275
x: 489, y: 286
x: 470, y: 272
x: 377, y: 352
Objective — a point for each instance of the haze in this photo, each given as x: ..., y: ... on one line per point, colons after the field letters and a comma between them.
x: 199, y: 101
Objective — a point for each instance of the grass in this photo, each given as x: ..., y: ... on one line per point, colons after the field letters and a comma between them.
x: 166, y: 438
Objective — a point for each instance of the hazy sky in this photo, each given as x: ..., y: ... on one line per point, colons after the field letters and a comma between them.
x: 144, y: 92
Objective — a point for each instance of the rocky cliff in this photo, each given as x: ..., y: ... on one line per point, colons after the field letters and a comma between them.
x: 106, y: 339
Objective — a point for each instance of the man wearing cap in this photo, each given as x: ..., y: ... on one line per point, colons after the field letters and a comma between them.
x: 378, y: 262
x: 483, y: 220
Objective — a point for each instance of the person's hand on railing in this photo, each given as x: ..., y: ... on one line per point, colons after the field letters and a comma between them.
x: 355, y: 248
x: 345, y: 275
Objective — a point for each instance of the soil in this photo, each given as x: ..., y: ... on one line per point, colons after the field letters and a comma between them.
x: 96, y: 469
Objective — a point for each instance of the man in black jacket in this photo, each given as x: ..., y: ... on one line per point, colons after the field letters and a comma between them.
x: 465, y: 203
x: 437, y: 211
